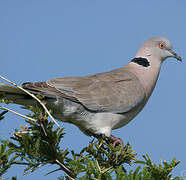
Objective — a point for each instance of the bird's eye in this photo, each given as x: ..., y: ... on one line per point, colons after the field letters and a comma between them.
x: 161, y: 45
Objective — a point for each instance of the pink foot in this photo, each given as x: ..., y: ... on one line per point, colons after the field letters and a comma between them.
x: 116, y: 141
x: 112, y: 139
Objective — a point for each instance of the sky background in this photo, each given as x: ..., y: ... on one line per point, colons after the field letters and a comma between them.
x: 43, y: 39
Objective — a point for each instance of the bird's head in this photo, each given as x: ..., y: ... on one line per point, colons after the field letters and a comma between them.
x: 159, y: 48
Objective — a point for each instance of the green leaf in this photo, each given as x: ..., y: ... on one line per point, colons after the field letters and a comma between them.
x: 2, y: 114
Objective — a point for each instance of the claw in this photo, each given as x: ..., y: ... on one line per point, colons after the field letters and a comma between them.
x: 116, y: 141
x: 112, y: 139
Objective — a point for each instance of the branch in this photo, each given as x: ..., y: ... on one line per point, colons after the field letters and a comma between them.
x: 65, y: 169
x: 26, y: 117
x: 33, y: 96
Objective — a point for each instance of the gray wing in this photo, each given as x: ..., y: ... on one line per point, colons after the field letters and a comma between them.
x: 116, y: 91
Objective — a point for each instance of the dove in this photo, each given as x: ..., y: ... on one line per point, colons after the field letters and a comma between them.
x: 100, y: 103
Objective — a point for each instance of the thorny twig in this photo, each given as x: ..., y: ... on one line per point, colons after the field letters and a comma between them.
x: 57, y: 160
x: 65, y: 169
x: 26, y: 117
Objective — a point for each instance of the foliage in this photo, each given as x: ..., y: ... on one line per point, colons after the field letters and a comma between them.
x: 38, y: 144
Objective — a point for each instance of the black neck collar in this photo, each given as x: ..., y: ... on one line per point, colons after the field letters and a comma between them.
x: 141, y: 61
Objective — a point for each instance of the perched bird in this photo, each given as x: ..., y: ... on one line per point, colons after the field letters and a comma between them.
x: 99, y: 103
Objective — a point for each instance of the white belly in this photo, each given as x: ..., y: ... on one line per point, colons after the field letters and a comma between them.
x: 103, y: 123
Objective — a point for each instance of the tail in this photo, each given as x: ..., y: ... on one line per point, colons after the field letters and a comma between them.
x: 15, y: 94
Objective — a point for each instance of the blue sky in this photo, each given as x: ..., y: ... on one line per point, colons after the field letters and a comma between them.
x: 44, y: 39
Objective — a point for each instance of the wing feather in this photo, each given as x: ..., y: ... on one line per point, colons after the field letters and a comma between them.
x: 116, y: 91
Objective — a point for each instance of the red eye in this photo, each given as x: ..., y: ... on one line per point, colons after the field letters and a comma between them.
x: 161, y: 45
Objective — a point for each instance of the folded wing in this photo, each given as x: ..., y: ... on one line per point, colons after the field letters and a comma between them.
x: 116, y: 91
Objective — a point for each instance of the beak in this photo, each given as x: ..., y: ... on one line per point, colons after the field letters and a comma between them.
x: 176, y: 56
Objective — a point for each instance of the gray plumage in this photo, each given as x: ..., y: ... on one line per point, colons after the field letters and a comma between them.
x: 97, y: 93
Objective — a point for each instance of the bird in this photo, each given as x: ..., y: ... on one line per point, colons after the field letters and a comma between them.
x: 100, y: 103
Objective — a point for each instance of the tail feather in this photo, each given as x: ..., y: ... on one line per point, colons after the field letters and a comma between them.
x: 10, y: 89
x: 20, y: 97
x: 15, y: 94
